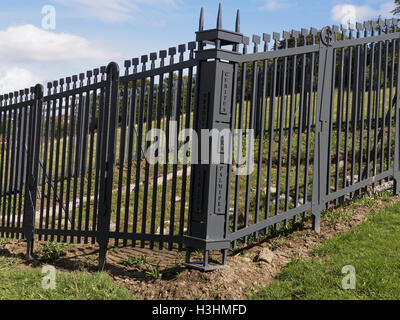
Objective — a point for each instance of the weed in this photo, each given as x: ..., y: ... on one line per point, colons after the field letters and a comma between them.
x: 154, y: 273
x: 3, y: 243
x: 50, y: 252
x: 137, y: 261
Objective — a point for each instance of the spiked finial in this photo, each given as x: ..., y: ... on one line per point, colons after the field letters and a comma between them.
x: 201, y: 21
x: 237, y: 29
x: 219, y: 19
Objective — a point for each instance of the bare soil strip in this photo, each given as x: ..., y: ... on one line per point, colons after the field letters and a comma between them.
x: 251, y: 267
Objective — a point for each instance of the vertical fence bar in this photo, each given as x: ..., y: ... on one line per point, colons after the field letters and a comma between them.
x: 107, y: 160
x: 396, y: 173
x: 35, y: 124
x: 324, y: 101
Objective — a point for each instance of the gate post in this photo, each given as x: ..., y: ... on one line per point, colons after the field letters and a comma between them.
x: 214, y: 109
x: 396, y: 173
x: 324, y: 102
x: 33, y: 153
x: 107, y: 160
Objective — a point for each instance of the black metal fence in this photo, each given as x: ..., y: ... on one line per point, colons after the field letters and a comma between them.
x: 322, y: 104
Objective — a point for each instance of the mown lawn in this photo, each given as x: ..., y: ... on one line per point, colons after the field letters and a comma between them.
x: 372, y: 248
x: 26, y: 284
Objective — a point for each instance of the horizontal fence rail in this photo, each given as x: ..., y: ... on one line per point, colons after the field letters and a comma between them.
x: 314, y: 120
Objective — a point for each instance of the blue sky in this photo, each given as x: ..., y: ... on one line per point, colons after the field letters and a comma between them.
x: 90, y: 33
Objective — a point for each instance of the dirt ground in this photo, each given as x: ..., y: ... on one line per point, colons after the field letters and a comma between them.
x: 161, y: 274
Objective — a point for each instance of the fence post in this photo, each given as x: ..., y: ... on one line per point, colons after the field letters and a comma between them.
x: 33, y: 153
x: 215, y: 109
x: 324, y: 102
x: 396, y: 173
x: 107, y: 160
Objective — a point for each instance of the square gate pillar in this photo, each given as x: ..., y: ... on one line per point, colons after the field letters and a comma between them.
x: 211, y: 170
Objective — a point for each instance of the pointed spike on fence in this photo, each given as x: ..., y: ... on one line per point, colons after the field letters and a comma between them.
x: 81, y: 77
x: 144, y: 59
x: 219, y: 18
x: 267, y: 40
x: 55, y: 85
x: 286, y: 35
x: 26, y: 91
x: 381, y: 23
x: 343, y: 28
x: 172, y: 51
x: 6, y: 96
x: 68, y: 79
x: 192, y: 45
x: 201, y: 20
x: 163, y: 54
x: 335, y: 30
x: 89, y: 74
x: 127, y: 64
x: 276, y: 36
x: 304, y: 32
x: 367, y: 26
x: 256, y: 39
x: 182, y: 49
x: 351, y: 27
x: 96, y: 72
x: 16, y: 94
x: 314, y: 31
x: 32, y: 90
x: 246, y: 41
x: 153, y: 56
x: 135, y: 62
x: 103, y: 69
x: 75, y: 78
x: 359, y: 26
x: 266, y: 37
x: 395, y: 23
x: 21, y: 92
x: 237, y: 24
x: 49, y: 85
x: 295, y: 34
x: 62, y: 81
x: 11, y: 95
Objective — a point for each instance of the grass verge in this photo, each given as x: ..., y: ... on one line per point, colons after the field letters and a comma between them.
x: 372, y: 248
x: 18, y: 283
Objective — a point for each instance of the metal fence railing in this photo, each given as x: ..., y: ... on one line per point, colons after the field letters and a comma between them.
x: 315, y: 113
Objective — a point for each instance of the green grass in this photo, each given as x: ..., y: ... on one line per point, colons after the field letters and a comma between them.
x: 26, y: 284
x: 373, y: 248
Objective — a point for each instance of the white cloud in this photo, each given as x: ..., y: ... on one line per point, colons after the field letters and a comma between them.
x: 16, y: 78
x: 29, y: 43
x: 113, y: 10
x: 345, y: 13
x: 273, y: 5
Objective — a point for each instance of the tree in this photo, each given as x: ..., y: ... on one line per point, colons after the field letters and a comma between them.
x: 397, y: 9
